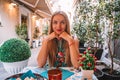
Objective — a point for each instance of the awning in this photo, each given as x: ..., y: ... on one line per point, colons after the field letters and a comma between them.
x: 40, y: 7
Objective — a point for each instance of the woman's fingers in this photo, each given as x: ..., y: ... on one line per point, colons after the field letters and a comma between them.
x: 64, y: 35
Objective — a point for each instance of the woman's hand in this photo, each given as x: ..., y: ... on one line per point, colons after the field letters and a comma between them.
x: 66, y: 36
x: 52, y: 36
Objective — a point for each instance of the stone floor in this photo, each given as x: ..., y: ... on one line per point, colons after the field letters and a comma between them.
x: 32, y: 62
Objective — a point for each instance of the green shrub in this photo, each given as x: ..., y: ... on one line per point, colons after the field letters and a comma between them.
x: 14, y: 50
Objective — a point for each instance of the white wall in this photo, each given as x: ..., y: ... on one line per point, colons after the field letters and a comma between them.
x: 9, y: 18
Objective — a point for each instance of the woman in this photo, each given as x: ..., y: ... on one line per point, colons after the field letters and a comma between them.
x: 59, y: 47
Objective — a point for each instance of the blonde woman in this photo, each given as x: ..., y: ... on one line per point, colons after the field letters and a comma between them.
x: 60, y: 48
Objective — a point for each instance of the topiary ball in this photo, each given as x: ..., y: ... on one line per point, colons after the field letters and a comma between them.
x: 14, y: 50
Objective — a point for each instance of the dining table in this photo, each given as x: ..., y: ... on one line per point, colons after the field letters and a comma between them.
x: 68, y: 73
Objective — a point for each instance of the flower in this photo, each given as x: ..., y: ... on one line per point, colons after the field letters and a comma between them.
x: 87, y: 60
x: 60, y: 54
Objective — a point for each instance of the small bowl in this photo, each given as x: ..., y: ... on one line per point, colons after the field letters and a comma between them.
x: 39, y: 77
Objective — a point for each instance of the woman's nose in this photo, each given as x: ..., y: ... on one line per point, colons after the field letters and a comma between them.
x: 58, y: 25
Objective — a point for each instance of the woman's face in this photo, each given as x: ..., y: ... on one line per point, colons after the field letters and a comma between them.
x: 58, y: 24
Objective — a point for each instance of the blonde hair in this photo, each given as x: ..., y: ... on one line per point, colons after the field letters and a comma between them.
x: 53, y: 46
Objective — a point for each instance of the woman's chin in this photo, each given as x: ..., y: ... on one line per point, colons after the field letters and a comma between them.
x: 58, y: 33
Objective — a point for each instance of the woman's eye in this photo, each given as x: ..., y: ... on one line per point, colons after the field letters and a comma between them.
x: 55, y: 22
x: 63, y: 22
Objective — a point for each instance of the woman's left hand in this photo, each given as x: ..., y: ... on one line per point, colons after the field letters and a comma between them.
x: 65, y: 36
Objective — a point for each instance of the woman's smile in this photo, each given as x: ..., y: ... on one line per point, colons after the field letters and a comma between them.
x: 59, y: 31
x: 59, y: 24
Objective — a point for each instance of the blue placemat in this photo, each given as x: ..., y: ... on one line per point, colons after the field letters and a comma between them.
x: 65, y: 74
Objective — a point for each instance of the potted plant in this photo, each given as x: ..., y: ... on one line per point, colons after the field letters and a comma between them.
x: 14, y: 54
x: 36, y: 37
x: 111, y: 9
x: 87, y: 27
x: 36, y: 33
x: 87, y: 62
x: 80, y: 32
x: 45, y: 30
x: 21, y: 30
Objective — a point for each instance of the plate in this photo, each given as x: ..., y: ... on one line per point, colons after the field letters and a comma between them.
x: 39, y: 77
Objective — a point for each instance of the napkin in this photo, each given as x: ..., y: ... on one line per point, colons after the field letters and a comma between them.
x: 12, y: 79
x: 65, y: 74
x: 28, y: 74
x: 78, y: 76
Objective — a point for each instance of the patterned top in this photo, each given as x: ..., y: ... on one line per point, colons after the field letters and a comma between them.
x: 60, y: 61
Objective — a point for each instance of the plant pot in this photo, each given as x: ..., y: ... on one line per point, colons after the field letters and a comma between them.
x: 108, y: 76
x: 15, y: 67
x: 99, y: 74
x: 81, y: 44
x: 82, y: 49
x: 99, y: 54
x: 87, y: 74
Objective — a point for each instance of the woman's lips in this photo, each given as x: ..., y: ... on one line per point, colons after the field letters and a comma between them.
x: 59, y: 30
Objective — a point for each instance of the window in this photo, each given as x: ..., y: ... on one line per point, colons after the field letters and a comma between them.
x: 23, y: 19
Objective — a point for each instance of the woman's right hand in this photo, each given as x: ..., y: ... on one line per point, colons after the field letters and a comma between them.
x: 52, y: 36
x: 49, y: 37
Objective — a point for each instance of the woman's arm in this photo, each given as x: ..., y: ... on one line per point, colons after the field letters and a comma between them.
x: 43, y: 54
x: 74, y: 52
x: 77, y: 44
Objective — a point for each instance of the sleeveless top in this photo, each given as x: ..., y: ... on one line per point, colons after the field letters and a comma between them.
x: 60, y: 56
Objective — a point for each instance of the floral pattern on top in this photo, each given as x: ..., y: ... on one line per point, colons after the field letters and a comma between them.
x: 60, y: 61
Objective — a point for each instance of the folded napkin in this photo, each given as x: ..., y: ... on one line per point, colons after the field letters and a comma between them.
x: 65, y: 74
x: 12, y: 79
x: 27, y: 74
x: 78, y: 76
